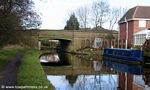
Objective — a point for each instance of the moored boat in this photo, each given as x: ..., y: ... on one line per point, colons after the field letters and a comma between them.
x: 124, y: 54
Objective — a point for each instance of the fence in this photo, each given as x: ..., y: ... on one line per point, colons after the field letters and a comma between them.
x: 113, y: 43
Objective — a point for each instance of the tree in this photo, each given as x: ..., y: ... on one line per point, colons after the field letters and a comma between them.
x: 9, y: 20
x: 82, y: 14
x: 114, y: 15
x: 72, y: 23
x: 100, y: 10
x: 110, y: 37
x: 16, y: 14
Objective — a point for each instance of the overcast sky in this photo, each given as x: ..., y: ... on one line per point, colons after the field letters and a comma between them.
x: 54, y: 13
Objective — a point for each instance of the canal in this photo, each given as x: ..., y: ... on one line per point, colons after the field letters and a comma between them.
x: 73, y: 72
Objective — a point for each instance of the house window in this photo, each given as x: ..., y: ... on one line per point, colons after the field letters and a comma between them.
x: 139, y: 39
x: 142, y: 23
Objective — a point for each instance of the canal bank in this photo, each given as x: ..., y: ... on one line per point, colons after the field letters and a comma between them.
x: 31, y: 72
x: 20, y: 69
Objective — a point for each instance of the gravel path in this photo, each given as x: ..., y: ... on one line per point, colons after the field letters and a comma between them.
x: 8, y: 75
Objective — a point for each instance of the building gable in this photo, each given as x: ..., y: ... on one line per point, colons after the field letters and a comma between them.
x: 136, y: 13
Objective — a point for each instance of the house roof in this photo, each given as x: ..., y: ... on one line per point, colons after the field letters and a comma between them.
x: 138, y: 12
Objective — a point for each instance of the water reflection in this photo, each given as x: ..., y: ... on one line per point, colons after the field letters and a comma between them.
x: 49, y: 58
x: 96, y: 75
x: 54, y: 59
x: 97, y: 65
x: 121, y: 67
x: 130, y: 77
x: 84, y: 82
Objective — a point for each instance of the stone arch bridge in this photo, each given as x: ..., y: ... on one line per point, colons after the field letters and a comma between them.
x: 72, y: 40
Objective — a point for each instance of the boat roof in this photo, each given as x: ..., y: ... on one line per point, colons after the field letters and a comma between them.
x: 121, y: 49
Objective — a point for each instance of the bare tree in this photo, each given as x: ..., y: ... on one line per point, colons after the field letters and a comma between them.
x: 100, y: 9
x: 114, y: 15
x: 122, y: 11
x: 82, y: 14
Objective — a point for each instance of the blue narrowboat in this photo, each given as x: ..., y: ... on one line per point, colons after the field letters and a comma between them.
x: 124, y: 54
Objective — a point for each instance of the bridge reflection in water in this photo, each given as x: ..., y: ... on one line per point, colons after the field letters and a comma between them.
x: 73, y: 73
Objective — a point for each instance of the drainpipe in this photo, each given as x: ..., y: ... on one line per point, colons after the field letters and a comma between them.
x: 126, y: 33
x: 118, y: 36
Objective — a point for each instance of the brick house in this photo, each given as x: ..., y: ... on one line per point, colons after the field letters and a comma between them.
x: 135, y: 19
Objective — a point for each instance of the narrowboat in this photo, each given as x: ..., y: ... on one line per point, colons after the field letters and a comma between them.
x: 128, y: 55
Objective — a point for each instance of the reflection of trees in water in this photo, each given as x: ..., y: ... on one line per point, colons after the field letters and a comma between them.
x: 71, y: 79
x: 97, y: 65
x: 104, y: 82
x: 92, y: 82
x: 81, y: 83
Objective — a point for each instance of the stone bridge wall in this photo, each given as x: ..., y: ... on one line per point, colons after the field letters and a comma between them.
x: 79, y: 39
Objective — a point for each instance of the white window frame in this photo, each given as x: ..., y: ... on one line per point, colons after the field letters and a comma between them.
x: 139, y: 39
x: 142, y: 23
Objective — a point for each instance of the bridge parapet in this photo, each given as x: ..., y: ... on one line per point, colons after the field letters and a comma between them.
x: 73, y: 33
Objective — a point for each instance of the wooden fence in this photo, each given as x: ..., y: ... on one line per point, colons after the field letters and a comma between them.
x: 113, y: 43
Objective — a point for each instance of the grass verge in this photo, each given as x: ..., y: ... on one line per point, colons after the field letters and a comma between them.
x: 31, y: 73
x: 5, y: 55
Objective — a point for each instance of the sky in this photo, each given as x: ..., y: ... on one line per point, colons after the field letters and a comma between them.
x: 55, y: 13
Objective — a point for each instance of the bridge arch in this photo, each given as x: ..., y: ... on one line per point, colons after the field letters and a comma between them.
x: 58, y: 43
x: 64, y: 44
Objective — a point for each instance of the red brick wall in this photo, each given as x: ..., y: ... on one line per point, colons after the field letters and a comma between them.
x: 122, y: 28
x: 136, y: 26
x: 130, y: 31
x: 133, y: 26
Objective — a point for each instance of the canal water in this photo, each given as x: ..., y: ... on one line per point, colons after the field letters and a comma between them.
x: 73, y: 72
